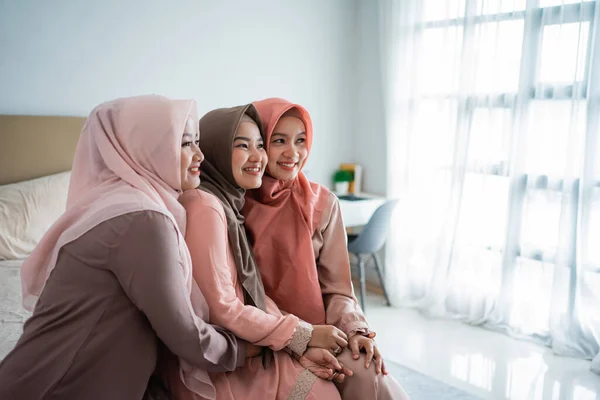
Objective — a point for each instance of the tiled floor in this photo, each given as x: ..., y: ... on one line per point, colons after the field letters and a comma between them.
x: 486, y: 364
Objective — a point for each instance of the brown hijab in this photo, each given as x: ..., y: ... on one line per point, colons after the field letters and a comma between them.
x: 217, y: 130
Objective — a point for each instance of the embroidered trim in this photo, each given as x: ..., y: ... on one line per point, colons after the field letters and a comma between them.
x: 301, y: 337
x: 303, y: 385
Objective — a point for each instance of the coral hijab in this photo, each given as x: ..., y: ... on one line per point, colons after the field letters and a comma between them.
x: 127, y: 159
x: 281, y: 218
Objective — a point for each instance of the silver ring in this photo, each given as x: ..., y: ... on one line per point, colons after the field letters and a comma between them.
x: 338, y: 350
x: 335, y: 375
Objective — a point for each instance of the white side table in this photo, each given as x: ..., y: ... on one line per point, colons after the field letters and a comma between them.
x: 358, y: 211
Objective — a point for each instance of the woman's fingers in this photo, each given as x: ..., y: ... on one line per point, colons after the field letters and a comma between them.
x: 369, y: 348
x: 339, y: 378
x: 340, y: 337
x: 331, y: 360
x: 347, y: 371
x: 341, y: 340
x: 341, y: 334
x: 324, y: 374
x: 336, y: 349
x: 378, y: 361
x: 354, y: 347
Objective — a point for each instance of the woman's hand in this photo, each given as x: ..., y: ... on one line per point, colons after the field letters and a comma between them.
x: 324, y: 365
x: 358, y: 342
x: 328, y: 337
x: 252, y: 350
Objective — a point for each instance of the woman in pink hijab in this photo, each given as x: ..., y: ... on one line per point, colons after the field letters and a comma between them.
x: 299, y: 242
x: 111, y: 280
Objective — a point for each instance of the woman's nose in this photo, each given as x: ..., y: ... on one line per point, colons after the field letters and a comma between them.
x: 290, y: 151
x: 254, y: 155
x: 198, y: 153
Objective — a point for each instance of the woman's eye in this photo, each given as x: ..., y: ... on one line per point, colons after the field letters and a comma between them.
x: 261, y: 146
x: 301, y: 140
x: 278, y: 141
x: 242, y: 146
x: 186, y: 144
x: 197, y: 142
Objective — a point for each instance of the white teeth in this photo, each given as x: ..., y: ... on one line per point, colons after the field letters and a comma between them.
x: 292, y: 165
x: 194, y: 169
x: 252, y: 169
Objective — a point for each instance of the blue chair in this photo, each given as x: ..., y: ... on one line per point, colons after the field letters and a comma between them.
x: 368, y: 242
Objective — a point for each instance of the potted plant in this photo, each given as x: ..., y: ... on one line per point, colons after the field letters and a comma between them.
x: 341, y: 182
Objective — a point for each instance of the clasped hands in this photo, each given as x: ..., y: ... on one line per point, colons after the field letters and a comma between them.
x: 327, y: 342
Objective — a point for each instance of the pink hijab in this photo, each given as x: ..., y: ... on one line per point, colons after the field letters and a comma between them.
x: 127, y: 159
x: 281, y: 218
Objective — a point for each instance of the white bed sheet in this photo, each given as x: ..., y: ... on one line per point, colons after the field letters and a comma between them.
x: 12, y: 313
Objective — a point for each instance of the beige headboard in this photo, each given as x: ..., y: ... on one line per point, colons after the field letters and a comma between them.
x: 35, y: 146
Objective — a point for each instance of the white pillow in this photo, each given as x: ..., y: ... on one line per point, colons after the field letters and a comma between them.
x: 27, y: 210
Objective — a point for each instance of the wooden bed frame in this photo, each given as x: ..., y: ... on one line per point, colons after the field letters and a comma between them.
x: 36, y: 146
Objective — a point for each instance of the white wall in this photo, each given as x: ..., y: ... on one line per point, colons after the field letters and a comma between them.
x: 369, y: 134
x: 64, y: 57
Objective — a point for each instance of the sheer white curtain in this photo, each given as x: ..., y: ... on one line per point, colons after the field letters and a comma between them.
x: 492, y: 111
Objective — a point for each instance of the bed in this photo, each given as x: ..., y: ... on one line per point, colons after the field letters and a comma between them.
x: 12, y: 315
x: 36, y: 153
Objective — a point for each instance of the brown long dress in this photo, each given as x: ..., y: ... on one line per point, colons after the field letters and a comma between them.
x: 95, y: 331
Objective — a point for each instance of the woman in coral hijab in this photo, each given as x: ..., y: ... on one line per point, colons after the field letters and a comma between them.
x: 299, y: 242
x: 111, y: 280
x: 223, y: 266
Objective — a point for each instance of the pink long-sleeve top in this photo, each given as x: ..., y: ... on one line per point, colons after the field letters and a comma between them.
x: 215, y: 272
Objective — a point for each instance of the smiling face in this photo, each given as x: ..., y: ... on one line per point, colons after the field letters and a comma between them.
x: 248, y: 158
x: 287, y: 148
x: 191, y: 156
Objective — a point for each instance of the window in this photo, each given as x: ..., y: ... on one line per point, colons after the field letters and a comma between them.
x: 508, y: 85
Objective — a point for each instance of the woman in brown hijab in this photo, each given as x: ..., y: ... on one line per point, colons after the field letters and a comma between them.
x: 224, y: 268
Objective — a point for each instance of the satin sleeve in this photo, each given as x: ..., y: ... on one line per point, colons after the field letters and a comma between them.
x: 146, y: 262
x: 333, y: 266
x: 206, y: 236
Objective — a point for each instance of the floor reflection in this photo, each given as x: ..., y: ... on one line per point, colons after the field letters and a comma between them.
x: 486, y: 364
